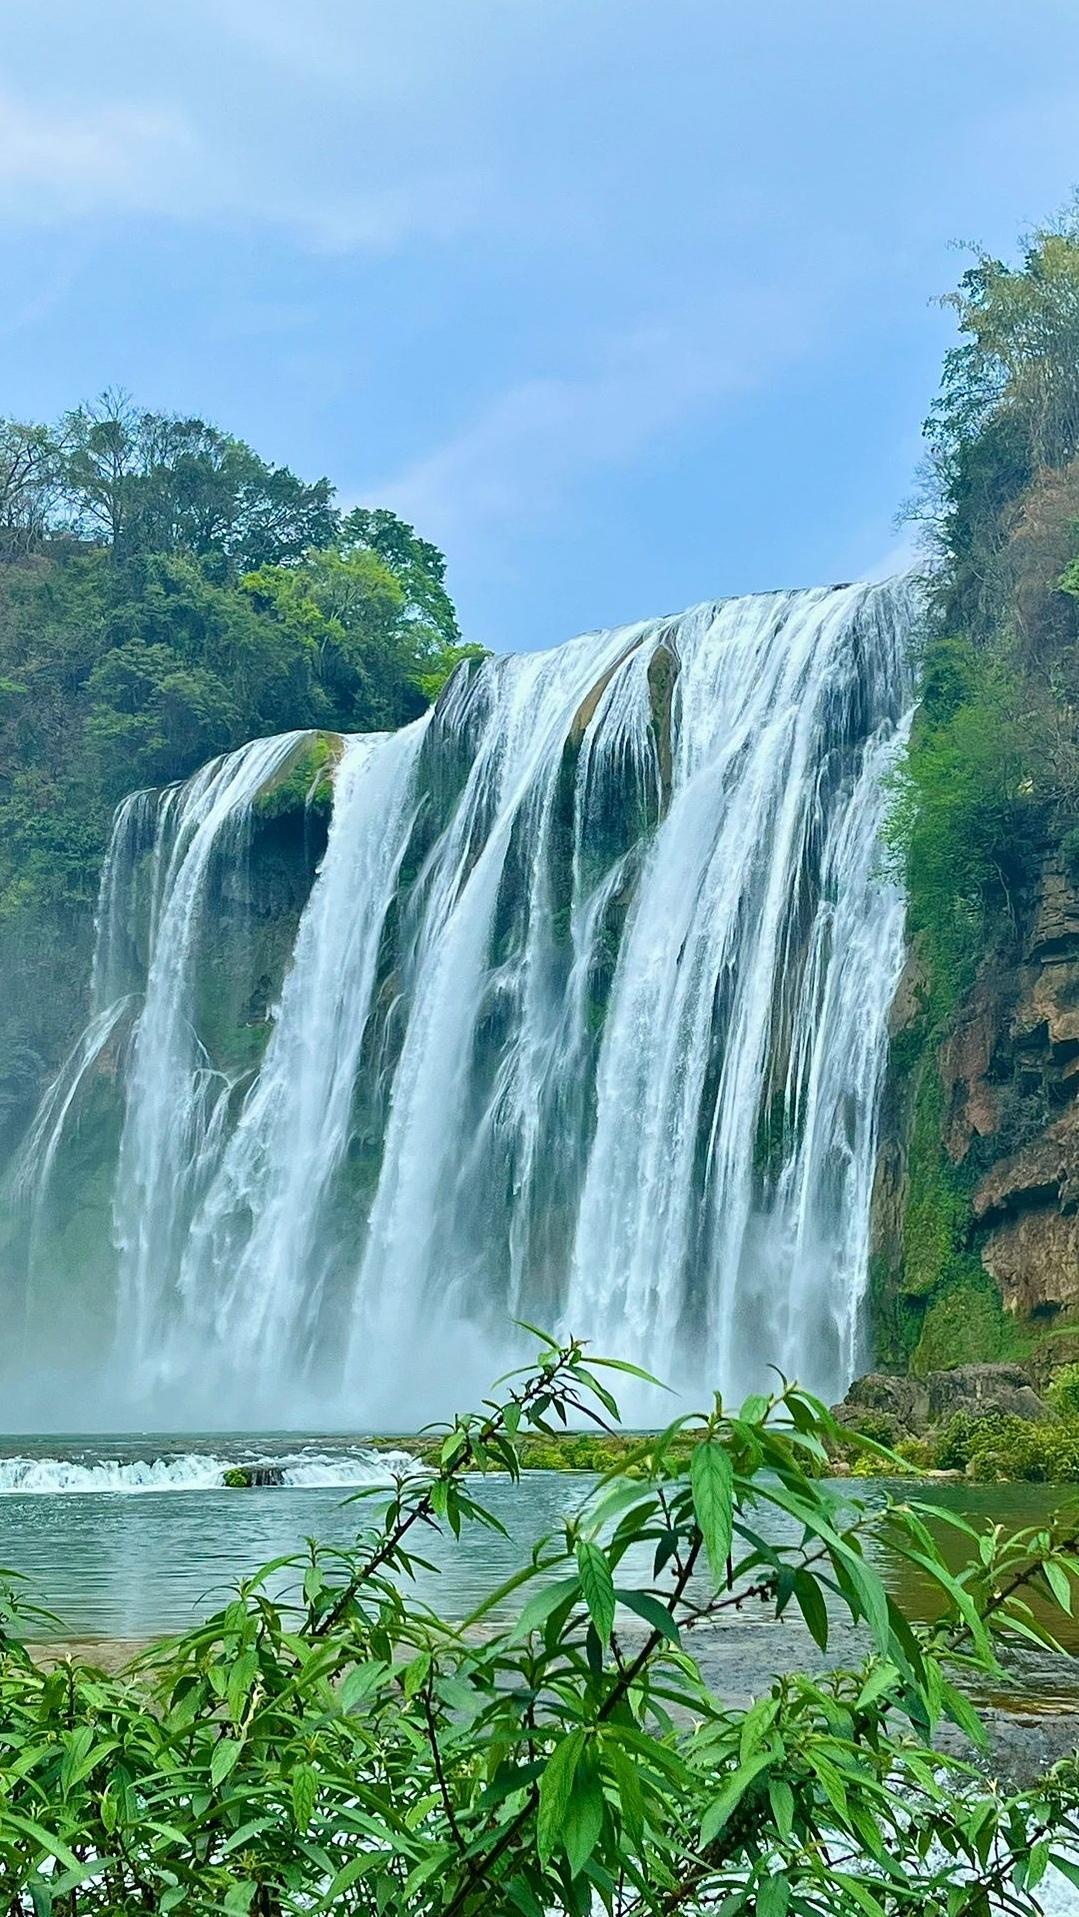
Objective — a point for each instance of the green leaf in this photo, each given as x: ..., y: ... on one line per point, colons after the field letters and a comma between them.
x: 712, y: 1480
x: 773, y: 1897
x: 226, y: 1752
x: 630, y: 1794
x: 523, y: 1898
x: 781, y: 1798
x: 239, y: 1897
x: 964, y: 1714
x: 1067, y: 1867
x: 754, y: 1410
x: 241, y: 1677
x: 652, y: 1611
x: 77, y: 1746
x: 882, y: 1678
x: 810, y: 1600
x: 597, y: 1587
x: 731, y: 1796
x: 347, y: 1876
x: 360, y: 1682
x: 1059, y: 1583
x: 539, y: 1608
x: 583, y: 1817
x: 304, y: 1793
x: 555, y: 1790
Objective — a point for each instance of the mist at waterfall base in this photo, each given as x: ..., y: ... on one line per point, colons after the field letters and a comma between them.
x: 584, y: 1023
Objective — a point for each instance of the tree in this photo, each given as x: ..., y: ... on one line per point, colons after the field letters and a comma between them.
x: 106, y: 451
x: 379, y: 657
x: 153, y: 482
x: 153, y: 718
x: 419, y: 566
x: 1007, y: 415
x: 30, y: 459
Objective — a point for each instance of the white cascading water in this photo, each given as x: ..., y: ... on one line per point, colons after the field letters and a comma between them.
x: 585, y: 1023
x: 176, y: 1100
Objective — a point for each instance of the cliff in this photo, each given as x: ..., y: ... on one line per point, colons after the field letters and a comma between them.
x: 976, y: 1205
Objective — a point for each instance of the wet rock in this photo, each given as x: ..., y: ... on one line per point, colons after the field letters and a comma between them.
x: 1023, y: 1744
x: 966, y: 1068
x: 905, y: 1400
x: 979, y: 1388
x: 253, y: 1477
x: 1055, y: 932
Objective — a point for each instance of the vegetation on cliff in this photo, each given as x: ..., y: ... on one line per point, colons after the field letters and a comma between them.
x: 988, y: 802
x: 166, y: 594
x: 342, y: 1746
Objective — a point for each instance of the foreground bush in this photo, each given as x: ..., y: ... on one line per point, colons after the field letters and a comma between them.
x: 347, y: 1749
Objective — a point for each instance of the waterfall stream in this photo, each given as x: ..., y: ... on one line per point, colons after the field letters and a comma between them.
x: 584, y: 1022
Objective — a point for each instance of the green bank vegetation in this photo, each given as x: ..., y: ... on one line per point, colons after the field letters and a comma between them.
x: 344, y: 1747
x: 989, y: 1446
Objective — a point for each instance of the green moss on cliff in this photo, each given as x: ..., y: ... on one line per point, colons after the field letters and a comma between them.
x: 935, y: 1306
x: 305, y: 782
x: 965, y: 1322
x: 936, y: 1216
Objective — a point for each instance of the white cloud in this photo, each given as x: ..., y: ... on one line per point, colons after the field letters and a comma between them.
x: 55, y: 162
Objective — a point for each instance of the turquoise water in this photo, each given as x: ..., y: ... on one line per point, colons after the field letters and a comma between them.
x: 114, y: 1558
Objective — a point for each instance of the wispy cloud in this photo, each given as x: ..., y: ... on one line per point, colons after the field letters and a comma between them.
x: 60, y: 162
x: 521, y: 453
x: 56, y: 161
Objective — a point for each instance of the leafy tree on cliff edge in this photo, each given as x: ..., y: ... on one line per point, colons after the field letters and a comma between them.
x: 166, y: 594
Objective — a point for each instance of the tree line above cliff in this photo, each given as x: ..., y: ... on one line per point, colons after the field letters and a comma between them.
x: 165, y: 594
x: 992, y: 783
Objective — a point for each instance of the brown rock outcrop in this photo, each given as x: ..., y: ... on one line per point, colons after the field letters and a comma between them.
x: 1034, y: 1258
x: 916, y: 1405
x: 966, y: 1067
x: 1046, y: 1169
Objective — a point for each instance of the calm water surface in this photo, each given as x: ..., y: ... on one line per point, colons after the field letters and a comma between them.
x: 133, y: 1562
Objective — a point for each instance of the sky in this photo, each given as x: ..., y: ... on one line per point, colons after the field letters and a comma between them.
x: 625, y: 303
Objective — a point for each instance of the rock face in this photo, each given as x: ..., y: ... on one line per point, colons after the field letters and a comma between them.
x: 978, y: 1170
x: 1031, y: 1202
x: 916, y: 1405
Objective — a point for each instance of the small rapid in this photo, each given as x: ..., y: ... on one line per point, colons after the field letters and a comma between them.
x: 352, y: 1468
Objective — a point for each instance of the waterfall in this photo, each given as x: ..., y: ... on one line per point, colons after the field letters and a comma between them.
x: 584, y: 1022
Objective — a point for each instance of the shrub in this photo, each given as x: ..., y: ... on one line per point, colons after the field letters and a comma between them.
x: 342, y: 1747
x: 954, y: 1443
x: 1012, y: 1448
x: 996, y: 1447
x: 876, y: 1425
x: 1064, y: 1391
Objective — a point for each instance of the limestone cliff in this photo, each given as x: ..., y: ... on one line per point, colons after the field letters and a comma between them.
x: 976, y: 1211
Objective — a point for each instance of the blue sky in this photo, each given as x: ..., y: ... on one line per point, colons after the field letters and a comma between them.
x: 627, y: 303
